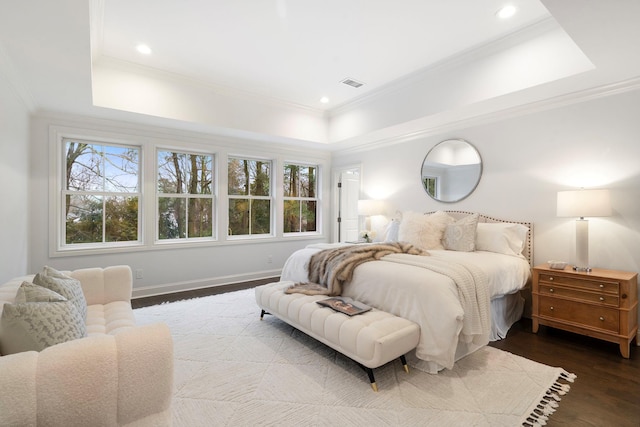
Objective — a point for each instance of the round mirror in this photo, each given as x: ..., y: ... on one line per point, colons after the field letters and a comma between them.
x: 451, y: 170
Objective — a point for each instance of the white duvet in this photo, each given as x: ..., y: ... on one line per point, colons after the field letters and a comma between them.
x: 427, y: 298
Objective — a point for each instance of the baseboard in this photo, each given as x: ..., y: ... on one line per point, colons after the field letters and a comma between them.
x: 192, y: 285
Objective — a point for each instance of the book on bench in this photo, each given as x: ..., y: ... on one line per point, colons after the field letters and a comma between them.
x: 345, y: 305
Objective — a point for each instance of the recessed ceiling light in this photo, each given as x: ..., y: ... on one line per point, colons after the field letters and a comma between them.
x: 506, y: 12
x: 144, y: 49
x: 324, y: 100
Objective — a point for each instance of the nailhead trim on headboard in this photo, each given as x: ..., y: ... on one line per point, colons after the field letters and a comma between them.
x: 528, y: 247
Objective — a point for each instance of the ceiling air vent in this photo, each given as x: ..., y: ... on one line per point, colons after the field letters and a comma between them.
x: 352, y: 83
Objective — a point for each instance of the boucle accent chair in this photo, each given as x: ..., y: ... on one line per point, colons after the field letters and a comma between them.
x: 119, y: 374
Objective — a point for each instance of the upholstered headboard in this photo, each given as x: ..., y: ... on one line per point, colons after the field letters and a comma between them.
x: 527, y: 252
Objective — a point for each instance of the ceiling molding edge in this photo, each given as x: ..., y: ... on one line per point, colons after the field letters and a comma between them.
x: 503, y: 114
x: 242, y: 142
x: 468, y: 55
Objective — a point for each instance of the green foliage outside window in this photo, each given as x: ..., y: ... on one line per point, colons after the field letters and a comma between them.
x: 249, y: 189
x: 101, y: 193
x: 185, y: 200
x: 431, y: 185
x: 300, y: 200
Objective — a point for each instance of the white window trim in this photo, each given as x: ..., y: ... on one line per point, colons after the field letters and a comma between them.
x: 318, y: 200
x: 214, y: 197
x: 57, y: 245
x: 149, y: 141
x: 272, y: 198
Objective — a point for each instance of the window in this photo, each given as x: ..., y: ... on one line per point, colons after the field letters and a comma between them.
x: 185, y: 195
x: 432, y: 186
x: 300, y: 198
x: 249, y: 193
x: 101, y: 193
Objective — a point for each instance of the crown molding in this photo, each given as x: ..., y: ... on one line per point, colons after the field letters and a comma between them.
x: 466, y: 56
x: 443, y: 124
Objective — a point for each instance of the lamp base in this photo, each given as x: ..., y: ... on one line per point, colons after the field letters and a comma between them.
x: 582, y: 269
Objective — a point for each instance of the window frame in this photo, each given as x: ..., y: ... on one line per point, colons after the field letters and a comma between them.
x: 317, y: 199
x: 60, y: 192
x: 148, y: 142
x: 213, y: 196
x: 272, y: 197
x: 432, y: 181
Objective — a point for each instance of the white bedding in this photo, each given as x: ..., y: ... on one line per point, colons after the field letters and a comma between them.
x: 423, y: 296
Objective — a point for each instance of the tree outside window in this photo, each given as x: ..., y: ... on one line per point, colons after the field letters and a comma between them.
x: 101, y: 193
x: 300, y: 198
x: 431, y: 185
x: 185, y: 195
x: 249, y: 191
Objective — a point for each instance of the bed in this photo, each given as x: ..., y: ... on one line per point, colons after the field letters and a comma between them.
x: 496, y: 252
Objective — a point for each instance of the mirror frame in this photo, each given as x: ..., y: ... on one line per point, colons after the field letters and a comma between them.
x: 471, y: 189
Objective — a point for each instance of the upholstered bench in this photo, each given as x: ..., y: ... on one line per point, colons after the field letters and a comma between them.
x: 371, y: 339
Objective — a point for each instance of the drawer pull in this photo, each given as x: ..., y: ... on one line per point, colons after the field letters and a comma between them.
x: 601, y: 286
x: 551, y: 279
x: 551, y: 308
x: 550, y: 289
x: 601, y: 298
x: 601, y: 319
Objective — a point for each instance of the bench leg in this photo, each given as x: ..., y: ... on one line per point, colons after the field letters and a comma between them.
x: 262, y: 313
x: 404, y: 363
x: 372, y: 379
x: 369, y: 372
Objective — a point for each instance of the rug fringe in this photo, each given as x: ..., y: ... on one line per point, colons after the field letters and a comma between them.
x: 549, y: 401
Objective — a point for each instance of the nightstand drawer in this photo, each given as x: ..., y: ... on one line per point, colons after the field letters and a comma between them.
x: 611, y: 300
x: 584, y: 314
x: 582, y: 283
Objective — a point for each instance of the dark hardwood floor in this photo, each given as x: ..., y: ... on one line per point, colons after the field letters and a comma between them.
x: 606, y: 392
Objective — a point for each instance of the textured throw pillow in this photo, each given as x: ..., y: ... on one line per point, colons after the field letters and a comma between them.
x: 424, y: 231
x: 34, y: 326
x: 66, y: 286
x: 503, y: 238
x: 28, y: 292
x: 461, y: 235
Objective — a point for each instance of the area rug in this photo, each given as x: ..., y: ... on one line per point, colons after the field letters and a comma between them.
x: 232, y: 369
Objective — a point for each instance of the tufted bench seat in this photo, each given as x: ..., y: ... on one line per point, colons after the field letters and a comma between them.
x: 371, y: 339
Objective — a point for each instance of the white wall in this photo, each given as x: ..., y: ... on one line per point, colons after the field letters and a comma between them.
x: 528, y: 159
x: 125, y: 87
x: 14, y: 179
x: 170, y: 268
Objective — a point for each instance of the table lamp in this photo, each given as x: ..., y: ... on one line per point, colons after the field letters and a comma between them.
x: 581, y: 204
x: 369, y: 208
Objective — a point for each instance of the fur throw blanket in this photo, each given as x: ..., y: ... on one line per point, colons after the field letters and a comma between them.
x: 330, y: 269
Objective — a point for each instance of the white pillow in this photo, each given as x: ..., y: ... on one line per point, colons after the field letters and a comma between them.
x: 461, y: 235
x: 391, y: 233
x: 424, y: 231
x: 501, y: 237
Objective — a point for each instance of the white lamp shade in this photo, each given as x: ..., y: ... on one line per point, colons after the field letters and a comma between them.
x: 370, y: 207
x: 584, y: 203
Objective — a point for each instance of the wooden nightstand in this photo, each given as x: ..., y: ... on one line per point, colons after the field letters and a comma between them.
x: 601, y: 304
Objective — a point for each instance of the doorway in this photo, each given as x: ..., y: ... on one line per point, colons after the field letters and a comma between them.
x: 347, y: 193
